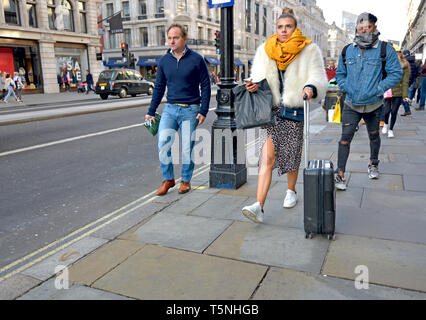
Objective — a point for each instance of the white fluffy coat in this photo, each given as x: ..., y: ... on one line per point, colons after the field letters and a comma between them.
x: 307, y: 69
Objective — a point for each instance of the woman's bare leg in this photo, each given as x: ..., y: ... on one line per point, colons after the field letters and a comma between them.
x: 292, y: 180
x: 265, y: 172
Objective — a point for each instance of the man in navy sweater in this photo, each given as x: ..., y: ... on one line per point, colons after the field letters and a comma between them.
x: 182, y: 71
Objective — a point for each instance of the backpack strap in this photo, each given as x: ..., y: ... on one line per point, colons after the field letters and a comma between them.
x: 383, y: 57
x: 344, y: 54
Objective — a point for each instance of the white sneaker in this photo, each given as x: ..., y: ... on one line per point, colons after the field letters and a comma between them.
x: 254, y: 212
x: 385, y: 128
x: 290, y: 199
x: 390, y: 134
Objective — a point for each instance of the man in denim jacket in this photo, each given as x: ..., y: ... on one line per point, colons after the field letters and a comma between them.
x: 361, y: 78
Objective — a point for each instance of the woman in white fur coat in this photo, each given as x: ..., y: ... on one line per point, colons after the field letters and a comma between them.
x: 293, y: 67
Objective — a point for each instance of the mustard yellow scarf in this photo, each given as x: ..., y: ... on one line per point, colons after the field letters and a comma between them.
x: 286, y: 52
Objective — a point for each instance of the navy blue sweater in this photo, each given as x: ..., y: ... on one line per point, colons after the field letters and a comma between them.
x: 183, y: 79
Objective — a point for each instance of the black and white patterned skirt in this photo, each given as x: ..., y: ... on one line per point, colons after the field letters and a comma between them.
x: 287, y: 137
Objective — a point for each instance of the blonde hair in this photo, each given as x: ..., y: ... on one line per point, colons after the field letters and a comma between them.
x: 288, y: 13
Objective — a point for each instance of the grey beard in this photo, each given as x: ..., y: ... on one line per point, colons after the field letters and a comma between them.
x: 367, y: 40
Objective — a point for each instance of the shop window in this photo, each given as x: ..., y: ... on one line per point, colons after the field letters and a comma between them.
x: 68, y: 16
x: 32, y: 14
x: 82, y: 11
x: 51, y: 16
x: 11, y: 12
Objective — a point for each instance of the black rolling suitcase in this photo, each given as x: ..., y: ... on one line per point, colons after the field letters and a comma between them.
x: 319, y: 192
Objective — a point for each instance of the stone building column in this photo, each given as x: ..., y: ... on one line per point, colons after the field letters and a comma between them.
x: 42, y: 18
x: 48, y: 66
x: 2, y: 20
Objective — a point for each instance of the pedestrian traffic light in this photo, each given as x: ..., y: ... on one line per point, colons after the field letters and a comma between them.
x: 125, y: 50
x: 217, y: 41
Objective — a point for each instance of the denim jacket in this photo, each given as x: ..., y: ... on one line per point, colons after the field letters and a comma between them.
x: 361, y: 78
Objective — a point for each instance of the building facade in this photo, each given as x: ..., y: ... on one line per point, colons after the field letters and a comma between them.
x: 415, y: 38
x: 145, y: 24
x: 47, y: 37
x: 336, y: 41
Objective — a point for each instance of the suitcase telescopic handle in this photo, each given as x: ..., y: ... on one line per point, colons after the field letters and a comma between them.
x: 306, y: 128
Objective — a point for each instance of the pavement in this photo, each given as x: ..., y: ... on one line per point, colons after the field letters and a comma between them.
x: 199, y: 245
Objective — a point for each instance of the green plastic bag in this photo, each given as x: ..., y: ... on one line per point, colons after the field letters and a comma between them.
x: 153, y: 126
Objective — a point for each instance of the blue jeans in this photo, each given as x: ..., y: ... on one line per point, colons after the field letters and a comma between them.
x: 10, y: 92
x: 174, y: 118
x: 423, y: 93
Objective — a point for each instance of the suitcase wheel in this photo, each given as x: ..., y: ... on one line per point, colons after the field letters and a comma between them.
x: 309, y: 236
x: 331, y: 237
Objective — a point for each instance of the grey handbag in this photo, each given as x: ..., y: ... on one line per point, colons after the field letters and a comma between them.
x: 253, y: 109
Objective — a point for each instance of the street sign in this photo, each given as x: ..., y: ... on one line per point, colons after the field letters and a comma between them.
x: 220, y: 3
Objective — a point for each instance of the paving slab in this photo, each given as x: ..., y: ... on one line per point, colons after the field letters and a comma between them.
x: 65, y: 257
x: 95, y: 265
x: 272, y: 246
x: 166, y: 274
x: 16, y: 285
x: 404, y: 201
x: 181, y: 232
x: 390, y: 263
x: 117, y: 227
x: 48, y: 291
x: 416, y: 158
x: 386, y: 181
x: 221, y: 206
x: 383, y: 223
x: 193, y: 200
x: 415, y: 183
x: 284, y: 284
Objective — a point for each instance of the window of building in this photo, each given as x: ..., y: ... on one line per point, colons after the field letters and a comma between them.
x: 51, y: 16
x: 160, y: 6
x: 265, y: 18
x: 207, y: 9
x: 112, y: 41
x: 142, y: 7
x: 32, y: 14
x: 200, y: 7
x: 128, y: 37
x: 126, y: 9
x: 82, y: 12
x: 200, y: 33
x: 144, y: 36
x: 11, y: 12
x: 68, y: 16
x: 161, y: 35
x: 110, y: 9
x: 248, y: 15
x: 256, y: 18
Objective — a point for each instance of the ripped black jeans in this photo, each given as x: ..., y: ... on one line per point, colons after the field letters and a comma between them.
x: 350, y: 120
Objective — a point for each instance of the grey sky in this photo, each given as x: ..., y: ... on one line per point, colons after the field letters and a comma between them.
x: 392, y: 14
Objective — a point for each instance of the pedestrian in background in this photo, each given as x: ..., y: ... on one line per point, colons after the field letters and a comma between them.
x: 418, y: 83
x: 59, y: 79
x: 423, y: 90
x: 413, y: 76
x: 66, y: 80
x: 2, y: 86
x: 364, y: 86
x: 89, y: 82
x: 183, y: 72
x: 19, y: 82
x: 399, y: 94
x: 10, y: 85
x: 294, y: 68
x: 331, y: 70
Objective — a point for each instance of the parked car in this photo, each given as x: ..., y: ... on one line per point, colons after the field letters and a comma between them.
x: 122, y: 82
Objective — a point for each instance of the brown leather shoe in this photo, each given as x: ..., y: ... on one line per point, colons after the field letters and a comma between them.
x: 184, y: 187
x: 405, y: 114
x: 165, y: 186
